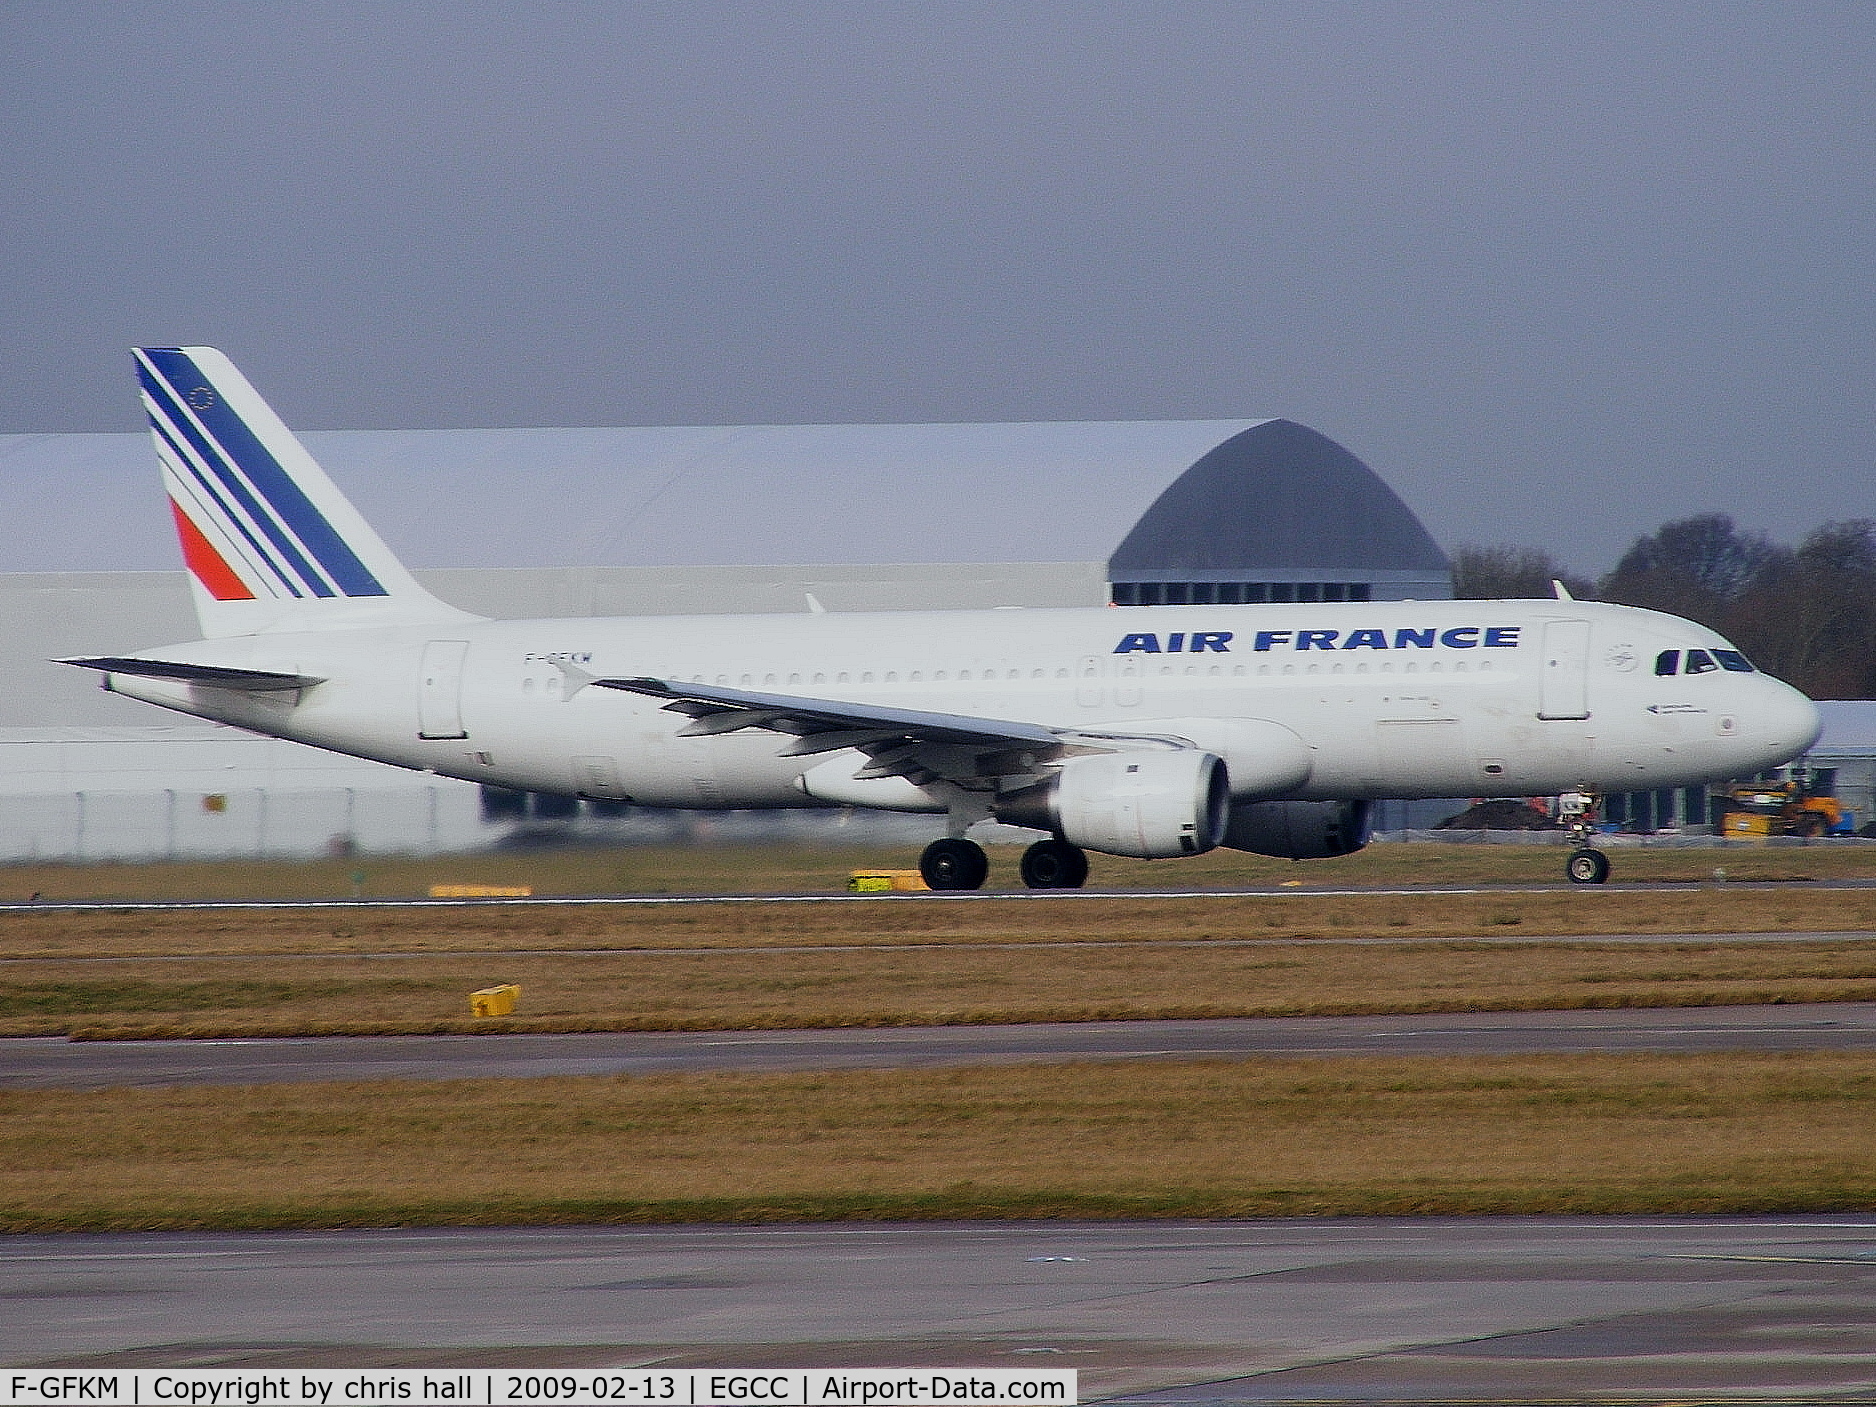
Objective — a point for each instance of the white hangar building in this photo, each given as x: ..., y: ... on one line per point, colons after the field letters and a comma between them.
x: 522, y: 523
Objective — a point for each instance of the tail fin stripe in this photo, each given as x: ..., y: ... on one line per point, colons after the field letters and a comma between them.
x: 209, y: 454
x: 271, y: 543
x: 282, y: 493
x: 292, y: 509
x: 198, y: 486
x: 211, y: 569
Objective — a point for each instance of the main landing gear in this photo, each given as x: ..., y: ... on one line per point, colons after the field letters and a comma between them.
x: 957, y: 863
x: 954, y: 863
x: 1587, y: 864
x: 1055, y: 864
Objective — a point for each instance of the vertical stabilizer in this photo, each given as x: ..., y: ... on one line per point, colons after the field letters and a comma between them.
x: 270, y: 542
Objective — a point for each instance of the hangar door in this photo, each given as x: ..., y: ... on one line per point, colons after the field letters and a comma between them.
x: 1563, y: 688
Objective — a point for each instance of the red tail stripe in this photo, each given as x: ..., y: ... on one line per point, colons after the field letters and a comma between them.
x: 209, y: 566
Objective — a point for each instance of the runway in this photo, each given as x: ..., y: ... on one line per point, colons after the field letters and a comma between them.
x: 56, y: 1063
x: 989, y: 896
x: 1761, y: 1309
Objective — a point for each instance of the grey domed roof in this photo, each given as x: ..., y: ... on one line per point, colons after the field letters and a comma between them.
x: 1276, y: 496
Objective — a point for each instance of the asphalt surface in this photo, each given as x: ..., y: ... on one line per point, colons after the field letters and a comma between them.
x: 1423, y: 1310
x: 56, y: 1063
x: 990, y: 896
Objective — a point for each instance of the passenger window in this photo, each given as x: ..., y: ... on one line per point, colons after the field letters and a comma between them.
x: 1667, y: 662
x: 1734, y: 662
x: 1700, y: 662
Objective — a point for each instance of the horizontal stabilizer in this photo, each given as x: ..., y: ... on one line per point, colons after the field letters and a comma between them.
x: 212, y: 676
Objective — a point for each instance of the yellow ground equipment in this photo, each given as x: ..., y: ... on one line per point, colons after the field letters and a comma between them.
x: 886, y: 882
x: 495, y: 1001
x: 1782, y: 808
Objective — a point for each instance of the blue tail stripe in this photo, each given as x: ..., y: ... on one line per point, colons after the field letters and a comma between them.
x: 283, y: 495
x: 223, y: 512
x: 165, y: 397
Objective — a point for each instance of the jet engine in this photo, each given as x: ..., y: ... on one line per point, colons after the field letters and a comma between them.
x: 1147, y: 804
x: 1299, y: 830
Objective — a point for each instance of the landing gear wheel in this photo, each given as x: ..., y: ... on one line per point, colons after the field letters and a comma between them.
x: 1588, y: 866
x: 1055, y: 864
x: 954, y: 863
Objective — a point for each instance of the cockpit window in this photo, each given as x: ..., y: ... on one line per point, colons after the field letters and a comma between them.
x: 1667, y: 662
x: 1700, y: 662
x: 1733, y: 661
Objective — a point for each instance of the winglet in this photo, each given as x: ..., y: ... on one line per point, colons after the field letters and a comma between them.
x: 1560, y: 591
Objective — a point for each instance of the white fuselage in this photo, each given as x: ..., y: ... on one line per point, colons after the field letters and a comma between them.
x: 1391, y: 699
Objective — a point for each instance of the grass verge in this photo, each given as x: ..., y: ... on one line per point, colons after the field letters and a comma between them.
x: 706, y: 869
x: 1524, y: 1135
x: 936, y: 984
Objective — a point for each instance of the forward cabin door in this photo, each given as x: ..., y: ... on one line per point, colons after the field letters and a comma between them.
x: 439, y: 690
x: 1563, y: 688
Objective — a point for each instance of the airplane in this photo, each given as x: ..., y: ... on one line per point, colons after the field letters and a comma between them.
x: 1152, y: 732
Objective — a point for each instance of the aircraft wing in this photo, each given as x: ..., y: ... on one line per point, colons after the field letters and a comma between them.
x: 902, y: 742
x: 212, y: 676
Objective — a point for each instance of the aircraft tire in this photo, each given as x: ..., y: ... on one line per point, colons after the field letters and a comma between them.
x: 1055, y: 864
x: 1588, y: 866
x: 954, y: 863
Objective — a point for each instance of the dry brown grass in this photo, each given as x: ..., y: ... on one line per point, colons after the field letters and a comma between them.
x: 917, y: 961
x: 1748, y: 1132
x: 927, y: 920
x: 936, y: 985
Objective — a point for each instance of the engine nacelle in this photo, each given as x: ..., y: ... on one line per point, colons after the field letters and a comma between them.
x: 1151, y: 805
x: 1299, y: 830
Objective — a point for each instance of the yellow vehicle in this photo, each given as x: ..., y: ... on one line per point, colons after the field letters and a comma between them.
x: 1782, y: 808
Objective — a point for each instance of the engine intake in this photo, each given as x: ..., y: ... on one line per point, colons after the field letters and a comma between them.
x: 1150, y: 805
x: 1299, y: 830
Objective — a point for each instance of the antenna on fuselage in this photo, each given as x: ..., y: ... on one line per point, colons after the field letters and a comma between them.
x: 1560, y: 591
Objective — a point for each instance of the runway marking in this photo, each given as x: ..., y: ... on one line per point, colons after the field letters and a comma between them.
x: 955, y: 897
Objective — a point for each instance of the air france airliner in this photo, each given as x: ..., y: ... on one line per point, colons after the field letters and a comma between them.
x: 1153, y: 732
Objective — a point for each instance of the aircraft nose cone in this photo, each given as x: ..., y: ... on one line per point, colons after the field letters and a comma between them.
x: 1789, y: 723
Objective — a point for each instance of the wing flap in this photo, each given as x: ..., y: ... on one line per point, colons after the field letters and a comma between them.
x: 975, y: 754
x: 715, y: 710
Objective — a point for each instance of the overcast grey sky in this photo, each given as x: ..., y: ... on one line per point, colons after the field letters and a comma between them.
x: 1558, y: 271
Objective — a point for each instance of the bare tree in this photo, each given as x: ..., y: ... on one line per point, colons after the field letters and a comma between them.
x: 1695, y: 567
x: 1510, y: 573
x: 1811, y: 618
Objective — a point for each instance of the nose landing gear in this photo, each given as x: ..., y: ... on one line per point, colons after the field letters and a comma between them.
x: 1587, y: 864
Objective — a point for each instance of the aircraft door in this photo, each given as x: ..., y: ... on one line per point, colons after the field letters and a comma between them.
x: 439, y: 689
x: 1563, y: 688
x: 1090, y: 683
